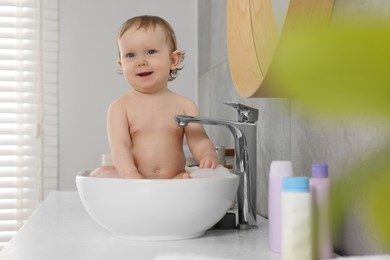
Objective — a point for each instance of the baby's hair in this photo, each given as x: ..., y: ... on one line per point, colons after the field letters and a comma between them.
x: 150, y: 22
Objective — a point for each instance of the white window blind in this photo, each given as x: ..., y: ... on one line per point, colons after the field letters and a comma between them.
x: 28, y: 109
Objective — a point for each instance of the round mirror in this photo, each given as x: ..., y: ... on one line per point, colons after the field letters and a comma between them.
x: 254, y: 28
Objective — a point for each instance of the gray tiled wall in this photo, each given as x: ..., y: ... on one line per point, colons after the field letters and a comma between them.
x: 284, y: 131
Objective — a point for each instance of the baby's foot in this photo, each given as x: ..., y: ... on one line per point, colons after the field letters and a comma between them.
x: 104, y: 173
x: 186, y: 175
x: 183, y: 175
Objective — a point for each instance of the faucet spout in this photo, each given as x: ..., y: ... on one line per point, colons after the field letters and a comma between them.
x: 244, y: 134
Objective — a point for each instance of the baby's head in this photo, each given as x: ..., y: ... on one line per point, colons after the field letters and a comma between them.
x: 149, y: 22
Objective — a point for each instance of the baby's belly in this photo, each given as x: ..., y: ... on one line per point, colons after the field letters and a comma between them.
x: 159, y: 163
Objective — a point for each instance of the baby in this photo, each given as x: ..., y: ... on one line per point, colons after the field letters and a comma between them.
x: 144, y: 138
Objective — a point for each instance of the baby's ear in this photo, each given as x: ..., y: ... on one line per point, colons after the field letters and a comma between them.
x: 176, y: 57
x: 120, y: 70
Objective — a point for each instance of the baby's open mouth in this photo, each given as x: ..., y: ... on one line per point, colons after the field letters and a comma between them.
x: 144, y: 74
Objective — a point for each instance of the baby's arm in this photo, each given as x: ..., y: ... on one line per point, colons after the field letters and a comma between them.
x: 120, y: 141
x: 199, y: 143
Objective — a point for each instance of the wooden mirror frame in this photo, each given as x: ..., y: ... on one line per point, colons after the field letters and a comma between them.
x: 253, y: 37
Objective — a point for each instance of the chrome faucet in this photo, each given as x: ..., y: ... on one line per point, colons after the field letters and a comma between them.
x: 244, y: 132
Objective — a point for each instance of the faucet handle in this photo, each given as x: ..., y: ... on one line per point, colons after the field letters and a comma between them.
x: 245, y: 114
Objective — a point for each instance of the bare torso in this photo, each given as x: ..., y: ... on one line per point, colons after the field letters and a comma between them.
x: 157, y: 141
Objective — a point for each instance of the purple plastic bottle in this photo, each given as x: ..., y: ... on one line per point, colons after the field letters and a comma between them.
x: 278, y: 170
x: 320, y: 191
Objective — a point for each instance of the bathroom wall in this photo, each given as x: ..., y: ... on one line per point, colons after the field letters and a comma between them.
x: 89, y: 78
x: 286, y: 131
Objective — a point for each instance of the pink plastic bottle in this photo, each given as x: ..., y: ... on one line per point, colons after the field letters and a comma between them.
x: 320, y: 191
x: 278, y: 170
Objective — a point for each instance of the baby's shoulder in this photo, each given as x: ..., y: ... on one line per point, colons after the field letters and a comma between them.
x: 128, y: 98
x: 117, y: 103
x: 184, y: 101
x: 121, y: 103
x: 187, y: 105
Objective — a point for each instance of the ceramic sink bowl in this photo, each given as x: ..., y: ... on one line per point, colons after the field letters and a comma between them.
x: 159, y: 209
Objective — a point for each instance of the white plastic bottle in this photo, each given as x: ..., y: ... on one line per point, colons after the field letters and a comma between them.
x: 296, y: 219
x: 278, y: 170
x: 320, y: 191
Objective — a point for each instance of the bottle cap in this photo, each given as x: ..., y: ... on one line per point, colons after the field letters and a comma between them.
x: 106, y: 160
x: 281, y: 168
x: 319, y: 170
x: 296, y: 184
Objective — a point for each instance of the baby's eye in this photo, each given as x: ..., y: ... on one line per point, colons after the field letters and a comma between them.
x: 150, y: 52
x: 130, y: 55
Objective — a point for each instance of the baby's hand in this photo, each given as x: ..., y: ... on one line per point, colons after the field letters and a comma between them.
x: 209, y: 162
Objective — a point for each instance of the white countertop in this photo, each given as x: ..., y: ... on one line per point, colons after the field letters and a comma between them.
x: 61, y: 229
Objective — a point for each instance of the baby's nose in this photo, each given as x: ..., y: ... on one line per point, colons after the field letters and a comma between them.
x: 142, y: 60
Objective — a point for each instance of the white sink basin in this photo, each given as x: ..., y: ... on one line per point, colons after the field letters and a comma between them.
x: 157, y: 209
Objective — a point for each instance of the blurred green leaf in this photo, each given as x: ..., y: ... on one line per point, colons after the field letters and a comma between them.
x: 369, y: 183
x: 343, y: 69
x: 378, y: 205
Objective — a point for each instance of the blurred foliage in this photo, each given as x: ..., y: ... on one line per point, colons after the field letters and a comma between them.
x: 344, y: 70
x: 368, y: 183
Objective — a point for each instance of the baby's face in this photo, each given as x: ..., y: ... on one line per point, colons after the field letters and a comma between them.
x: 146, y: 59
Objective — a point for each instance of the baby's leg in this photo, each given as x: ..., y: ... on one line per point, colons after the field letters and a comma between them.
x: 104, y: 172
x: 183, y: 175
